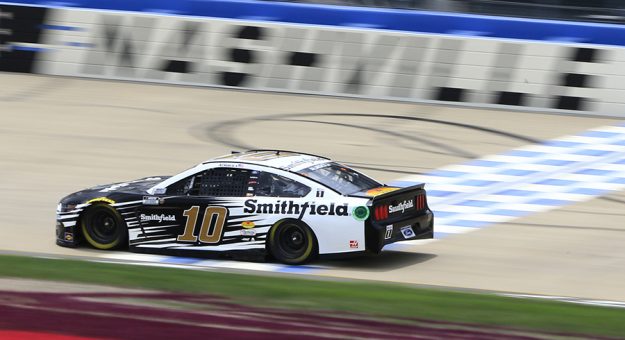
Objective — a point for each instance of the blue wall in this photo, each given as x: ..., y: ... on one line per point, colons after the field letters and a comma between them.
x: 403, y: 20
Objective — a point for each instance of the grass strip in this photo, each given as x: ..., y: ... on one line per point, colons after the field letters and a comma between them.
x: 378, y: 299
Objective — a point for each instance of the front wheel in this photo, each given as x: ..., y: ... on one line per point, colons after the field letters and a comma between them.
x: 103, y: 227
x: 292, y: 242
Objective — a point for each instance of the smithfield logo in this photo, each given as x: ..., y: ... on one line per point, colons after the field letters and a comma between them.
x: 289, y: 208
x: 407, y: 204
x: 157, y: 218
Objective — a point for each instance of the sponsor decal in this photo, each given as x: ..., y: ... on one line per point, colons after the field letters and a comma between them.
x: 115, y: 187
x: 389, y: 232
x: 157, y: 218
x: 320, y: 193
x: 248, y: 224
x: 406, y: 204
x: 407, y: 231
x: 121, y: 185
x: 69, y: 237
x: 231, y: 165
x: 360, y: 213
x: 292, y: 208
x: 152, y: 200
x: 353, y: 244
x: 101, y: 199
x: 248, y: 232
x: 159, y: 191
x: 379, y: 191
x: 299, y: 162
x: 318, y: 166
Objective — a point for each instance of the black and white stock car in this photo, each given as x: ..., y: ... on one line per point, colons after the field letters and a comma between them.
x: 287, y: 205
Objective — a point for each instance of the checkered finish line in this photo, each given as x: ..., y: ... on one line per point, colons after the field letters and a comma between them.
x: 526, y: 180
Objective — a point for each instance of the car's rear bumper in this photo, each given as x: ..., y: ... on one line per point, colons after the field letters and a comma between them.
x: 377, y: 235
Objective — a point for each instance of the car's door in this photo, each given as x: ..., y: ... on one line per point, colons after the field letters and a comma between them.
x: 194, y: 211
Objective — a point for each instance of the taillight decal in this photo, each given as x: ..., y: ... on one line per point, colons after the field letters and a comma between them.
x: 420, y: 202
x: 380, y: 212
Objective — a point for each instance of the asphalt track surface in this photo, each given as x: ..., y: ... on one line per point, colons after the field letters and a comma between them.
x: 58, y: 135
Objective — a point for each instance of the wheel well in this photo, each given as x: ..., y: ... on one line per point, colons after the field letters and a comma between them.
x: 292, y: 220
x: 78, y: 228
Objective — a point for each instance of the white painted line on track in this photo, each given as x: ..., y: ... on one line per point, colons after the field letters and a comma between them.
x: 591, y: 302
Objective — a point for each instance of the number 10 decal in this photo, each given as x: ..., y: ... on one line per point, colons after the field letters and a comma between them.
x: 205, y: 235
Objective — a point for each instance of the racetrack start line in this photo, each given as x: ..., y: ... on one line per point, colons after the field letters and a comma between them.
x: 523, y: 181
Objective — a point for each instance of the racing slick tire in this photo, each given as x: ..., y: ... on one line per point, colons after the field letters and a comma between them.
x: 103, y: 227
x: 292, y: 242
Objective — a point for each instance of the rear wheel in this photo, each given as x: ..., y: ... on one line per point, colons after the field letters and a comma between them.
x: 103, y: 227
x: 292, y: 242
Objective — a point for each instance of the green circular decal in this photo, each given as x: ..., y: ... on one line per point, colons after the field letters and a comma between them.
x: 360, y: 213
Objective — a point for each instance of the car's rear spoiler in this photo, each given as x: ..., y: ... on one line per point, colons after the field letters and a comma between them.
x: 392, y: 192
x: 400, y: 191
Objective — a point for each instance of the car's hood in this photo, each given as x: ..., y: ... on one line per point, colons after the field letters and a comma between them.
x: 115, y: 191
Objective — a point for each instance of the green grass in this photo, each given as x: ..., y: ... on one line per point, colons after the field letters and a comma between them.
x: 360, y: 297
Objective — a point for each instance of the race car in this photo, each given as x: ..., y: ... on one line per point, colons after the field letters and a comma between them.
x: 289, y: 206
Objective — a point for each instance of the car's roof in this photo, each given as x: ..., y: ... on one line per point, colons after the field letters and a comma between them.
x: 282, y: 159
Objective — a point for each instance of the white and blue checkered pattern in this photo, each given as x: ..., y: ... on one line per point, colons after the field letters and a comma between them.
x: 526, y: 180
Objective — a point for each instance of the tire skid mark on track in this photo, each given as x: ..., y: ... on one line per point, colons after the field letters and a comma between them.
x: 221, y: 132
x: 224, y: 132
x: 413, y: 139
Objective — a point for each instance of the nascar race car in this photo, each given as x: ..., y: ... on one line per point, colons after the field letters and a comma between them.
x: 291, y: 206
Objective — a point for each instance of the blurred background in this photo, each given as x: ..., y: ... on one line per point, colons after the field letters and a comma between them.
x: 514, y: 124
x: 609, y: 11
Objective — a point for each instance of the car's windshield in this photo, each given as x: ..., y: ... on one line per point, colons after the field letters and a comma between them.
x: 340, y: 178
